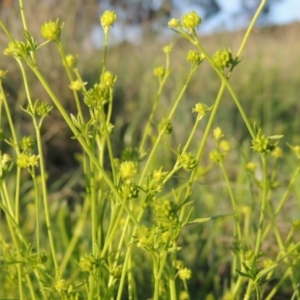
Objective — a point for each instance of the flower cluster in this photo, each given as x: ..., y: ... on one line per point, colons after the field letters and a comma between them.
x: 223, y: 59
x: 183, y: 272
x: 159, y: 72
x: 109, y: 79
x: 165, y: 126
x: 17, y: 49
x: 190, y: 20
x: 194, y: 57
x: 60, y: 285
x: 201, y: 109
x: 262, y: 144
x: 97, y: 96
x: 128, y: 169
x: 71, y: 61
x: 27, y: 143
x: 88, y: 263
x: 43, y: 109
x: 165, y: 210
x: 2, y: 74
x: 26, y: 161
x: 108, y: 18
x: 223, y: 146
x: 129, y: 191
x: 51, y: 31
x: 77, y: 85
x: 188, y: 161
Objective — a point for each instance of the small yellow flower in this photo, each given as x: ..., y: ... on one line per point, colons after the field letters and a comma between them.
x: 191, y: 20
x: 251, y: 166
x: 51, y: 30
x: 109, y: 79
x: 201, y: 109
x: 159, y: 71
x: 194, y: 57
x: 224, y: 146
x: 71, y: 61
x: 168, y: 48
x: 173, y: 23
x: 76, y: 85
x: 222, y: 59
x: 215, y: 156
x: 128, y: 169
x: 277, y: 152
x: 218, y: 133
x: 159, y: 175
x: 184, y: 274
x: 60, y: 285
x: 108, y: 18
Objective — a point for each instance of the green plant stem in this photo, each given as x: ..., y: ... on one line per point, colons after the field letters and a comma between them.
x: 161, y: 132
x: 42, y: 169
x: 71, y: 78
x: 260, y: 225
x: 17, y: 150
x: 154, y: 107
x: 82, y: 142
x: 282, y: 201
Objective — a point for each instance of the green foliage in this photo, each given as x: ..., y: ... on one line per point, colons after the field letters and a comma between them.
x: 144, y: 221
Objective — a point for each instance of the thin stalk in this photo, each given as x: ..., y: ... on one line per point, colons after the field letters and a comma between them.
x: 260, y: 225
x: 161, y: 133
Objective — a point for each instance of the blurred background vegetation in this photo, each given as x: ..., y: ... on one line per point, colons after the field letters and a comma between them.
x: 266, y: 81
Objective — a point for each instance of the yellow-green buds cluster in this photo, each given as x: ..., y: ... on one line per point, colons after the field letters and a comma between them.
x: 27, y: 143
x: 71, y: 61
x: 60, y: 285
x: 17, y: 49
x: 26, y: 161
x: 277, y: 152
x: 88, y: 263
x: 223, y: 147
x: 51, y: 31
x: 109, y: 79
x: 183, y: 272
x: 159, y: 72
x: 165, y: 126
x: 223, y: 59
x: 190, y: 20
x: 194, y: 57
x: 174, y: 23
x: 156, y: 180
x: 108, y: 18
x: 128, y: 170
x: 262, y: 144
x: 168, y: 48
x: 188, y: 161
x: 129, y: 191
x: 218, y: 133
x: 43, y: 109
x: 77, y: 85
x: 201, y: 109
x: 165, y: 210
x: 97, y: 96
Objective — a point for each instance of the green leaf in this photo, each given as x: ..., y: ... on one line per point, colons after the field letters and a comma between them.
x: 202, y: 220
